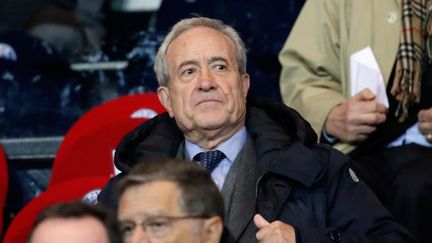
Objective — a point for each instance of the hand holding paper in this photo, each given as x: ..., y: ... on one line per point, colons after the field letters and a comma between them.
x: 365, y: 73
x: 355, y: 119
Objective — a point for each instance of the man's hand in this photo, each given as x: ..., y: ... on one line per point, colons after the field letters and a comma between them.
x: 425, y: 121
x: 356, y: 118
x: 274, y: 232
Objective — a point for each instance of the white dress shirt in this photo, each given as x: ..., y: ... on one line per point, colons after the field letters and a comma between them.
x: 411, y: 135
x: 230, y: 148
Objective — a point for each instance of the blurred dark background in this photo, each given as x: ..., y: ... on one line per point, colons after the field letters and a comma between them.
x: 60, y: 58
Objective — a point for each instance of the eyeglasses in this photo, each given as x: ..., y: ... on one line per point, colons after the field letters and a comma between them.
x: 154, y: 227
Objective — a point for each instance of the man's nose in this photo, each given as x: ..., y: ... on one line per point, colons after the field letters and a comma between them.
x: 206, y: 81
x: 139, y: 236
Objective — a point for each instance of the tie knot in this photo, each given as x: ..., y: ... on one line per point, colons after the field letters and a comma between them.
x: 210, y: 159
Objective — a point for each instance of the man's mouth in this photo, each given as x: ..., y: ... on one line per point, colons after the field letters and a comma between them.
x: 204, y: 101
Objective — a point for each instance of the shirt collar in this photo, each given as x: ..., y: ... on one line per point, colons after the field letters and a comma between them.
x: 230, y: 147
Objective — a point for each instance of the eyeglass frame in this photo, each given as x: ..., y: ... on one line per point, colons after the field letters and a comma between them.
x: 149, y: 225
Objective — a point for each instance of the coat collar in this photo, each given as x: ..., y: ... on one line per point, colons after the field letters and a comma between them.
x: 273, y: 127
x: 300, y: 164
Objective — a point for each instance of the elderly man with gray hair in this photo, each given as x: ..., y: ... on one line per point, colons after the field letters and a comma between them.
x: 278, y: 184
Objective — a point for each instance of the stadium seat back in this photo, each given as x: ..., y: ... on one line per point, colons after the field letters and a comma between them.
x: 85, y: 189
x: 88, y: 147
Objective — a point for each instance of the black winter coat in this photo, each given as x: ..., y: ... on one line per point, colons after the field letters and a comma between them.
x: 310, y: 186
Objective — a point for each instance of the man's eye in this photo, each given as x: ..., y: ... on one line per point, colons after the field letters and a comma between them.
x: 220, y: 67
x: 126, y: 230
x: 188, y: 71
x: 158, y: 226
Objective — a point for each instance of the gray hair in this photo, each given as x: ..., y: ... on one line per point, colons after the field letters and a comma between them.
x: 161, y: 66
x: 199, y: 195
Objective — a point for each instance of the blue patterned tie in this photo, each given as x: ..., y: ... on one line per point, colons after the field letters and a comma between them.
x: 210, y: 159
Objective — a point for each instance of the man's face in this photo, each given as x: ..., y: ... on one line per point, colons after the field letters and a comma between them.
x: 151, y: 213
x: 70, y: 230
x: 205, y: 90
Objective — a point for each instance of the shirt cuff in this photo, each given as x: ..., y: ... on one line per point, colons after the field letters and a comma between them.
x: 326, y: 138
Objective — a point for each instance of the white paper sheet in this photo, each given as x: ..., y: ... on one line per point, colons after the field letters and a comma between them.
x: 365, y: 73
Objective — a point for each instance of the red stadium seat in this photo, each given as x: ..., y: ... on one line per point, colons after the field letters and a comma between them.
x: 92, y: 153
x: 87, y: 149
x: 85, y: 189
x: 3, y: 185
x: 141, y: 106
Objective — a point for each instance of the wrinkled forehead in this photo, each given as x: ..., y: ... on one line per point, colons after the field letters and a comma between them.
x: 200, y: 43
x: 151, y: 198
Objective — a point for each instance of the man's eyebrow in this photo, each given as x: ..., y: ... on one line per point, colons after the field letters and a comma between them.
x: 210, y: 60
x: 217, y: 58
x: 188, y: 62
x: 126, y: 221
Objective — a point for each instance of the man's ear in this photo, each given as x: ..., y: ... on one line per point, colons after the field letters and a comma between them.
x: 245, y: 84
x: 164, y: 98
x: 213, y: 228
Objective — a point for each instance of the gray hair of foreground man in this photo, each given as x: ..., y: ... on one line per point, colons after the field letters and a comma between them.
x: 77, y: 210
x: 199, y: 194
x: 161, y: 65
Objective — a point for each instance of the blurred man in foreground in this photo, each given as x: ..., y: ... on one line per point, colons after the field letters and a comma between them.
x: 170, y: 201
x: 75, y: 222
